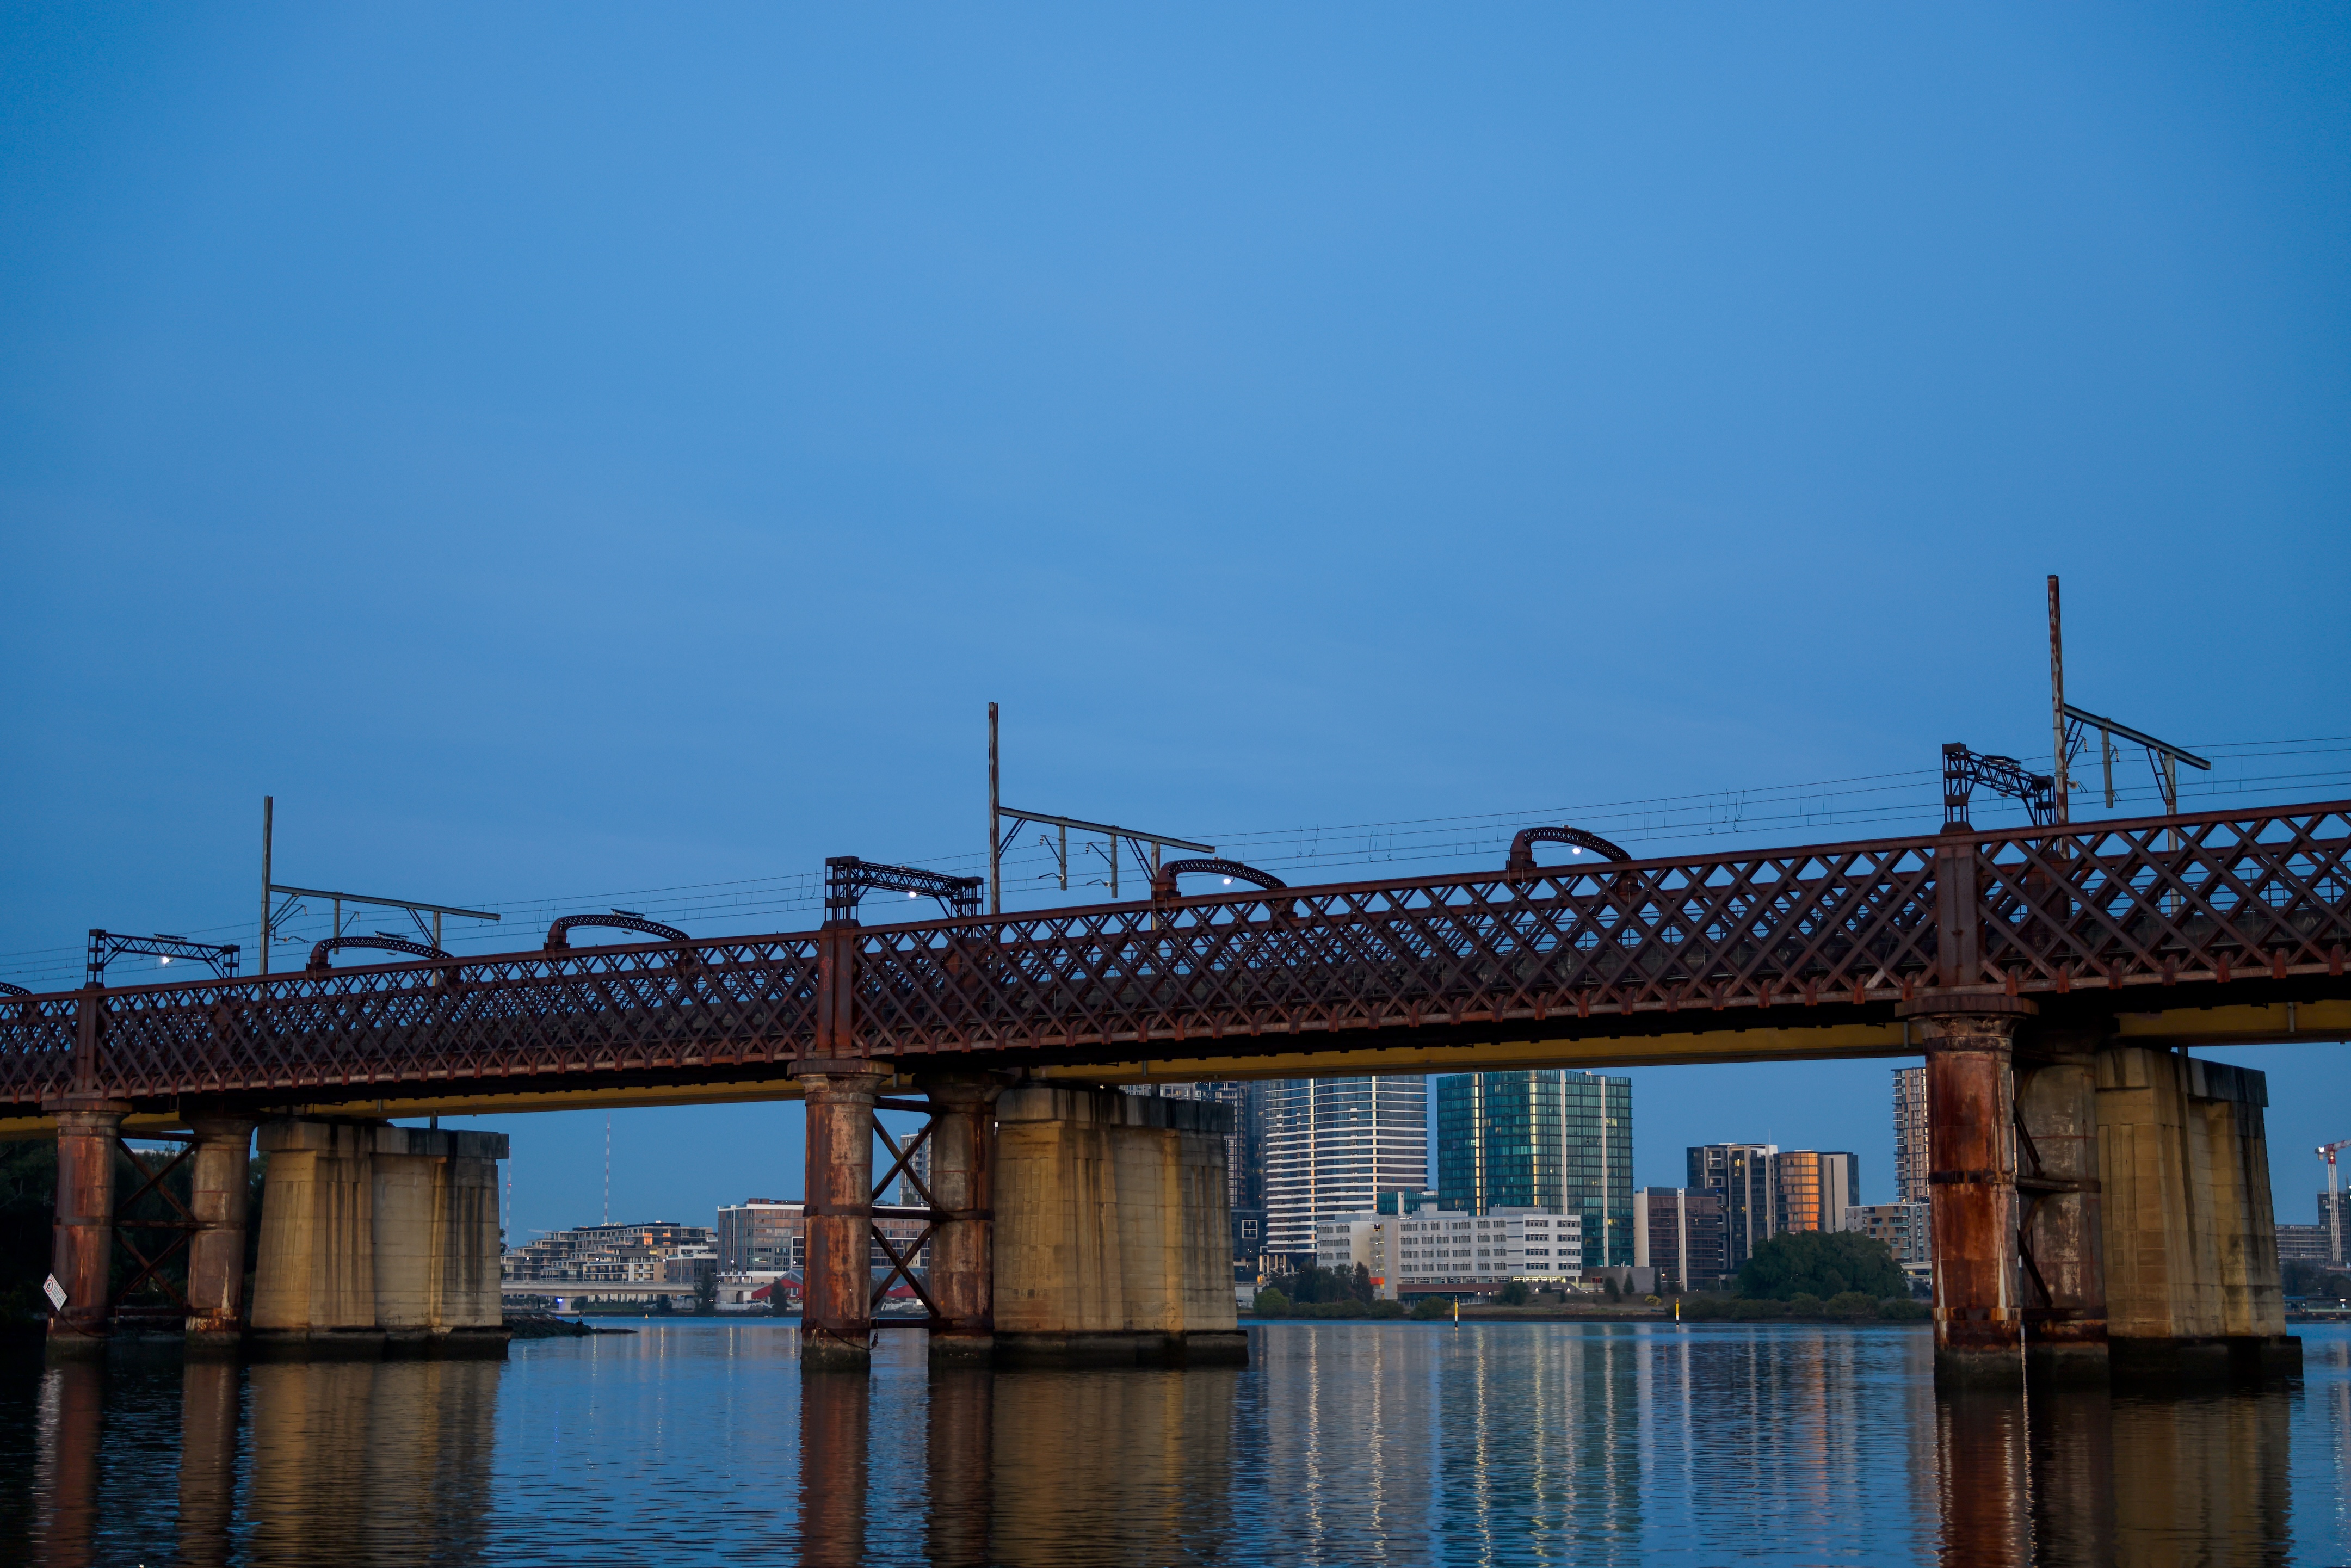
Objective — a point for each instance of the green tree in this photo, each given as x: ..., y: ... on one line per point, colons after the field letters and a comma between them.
x: 28, y: 1196
x: 2312, y: 1279
x: 1515, y: 1293
x: 1313, y: 1285
x: 1821, y: 1263
x: 705, y: 1292
x: 1429, y: 1308
x: 1270, y: 1303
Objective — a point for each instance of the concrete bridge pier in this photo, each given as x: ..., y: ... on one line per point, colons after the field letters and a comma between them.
x: 374, y: 1235
x: 837, y: 1284
x: 2192, y: 1281
x: 1113, y: 1235
x: 962, y: 1275
x: 2098, y: 1209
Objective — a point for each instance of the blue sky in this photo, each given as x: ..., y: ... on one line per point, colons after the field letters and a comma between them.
x: 565, y: 453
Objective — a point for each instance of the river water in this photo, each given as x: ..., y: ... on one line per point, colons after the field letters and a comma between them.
x: 699, y: 1441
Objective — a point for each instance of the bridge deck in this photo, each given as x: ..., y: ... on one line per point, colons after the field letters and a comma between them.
x: 2242, y: 918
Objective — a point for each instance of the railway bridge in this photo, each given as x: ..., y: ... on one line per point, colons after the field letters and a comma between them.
x: 2097, y: 1193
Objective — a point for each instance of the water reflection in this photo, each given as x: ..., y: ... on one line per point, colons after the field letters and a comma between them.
x: 1396, y: 1443
x: 209, y: 1389
x: 73, y: 1402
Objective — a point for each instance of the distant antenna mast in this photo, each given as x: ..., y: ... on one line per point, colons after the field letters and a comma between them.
x: 608, y: 1167
x: 2334, y: 1203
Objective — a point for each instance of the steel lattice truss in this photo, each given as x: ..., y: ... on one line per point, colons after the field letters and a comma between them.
x: 2198, y: 901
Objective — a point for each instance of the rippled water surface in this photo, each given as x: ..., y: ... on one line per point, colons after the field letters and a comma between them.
x: 1409, y: 1443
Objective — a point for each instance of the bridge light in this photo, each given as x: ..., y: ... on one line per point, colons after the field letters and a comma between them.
x: 1228, y: 882
x: 162, y: 960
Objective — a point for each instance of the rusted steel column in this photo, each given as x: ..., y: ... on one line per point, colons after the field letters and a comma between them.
x: 2061, y: 1246
x: 837, y: 1282
x: 963, y: 1185
x: 216, y: 1196
x: 1972, y: 1150
x: 81, y: 1251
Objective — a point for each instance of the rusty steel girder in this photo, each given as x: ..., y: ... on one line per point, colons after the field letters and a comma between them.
x: 2201, y: 902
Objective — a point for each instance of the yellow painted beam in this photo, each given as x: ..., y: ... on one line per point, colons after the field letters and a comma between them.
x: 1693, y: 1049
x: 2272, y: 1023
x: 518, y: 1104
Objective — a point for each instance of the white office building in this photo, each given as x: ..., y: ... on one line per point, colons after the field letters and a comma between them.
x: 1333, y: 1145
x: 1445, y: 1247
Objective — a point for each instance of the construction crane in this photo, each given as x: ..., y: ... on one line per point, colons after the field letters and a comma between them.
x: 2334, y: 1202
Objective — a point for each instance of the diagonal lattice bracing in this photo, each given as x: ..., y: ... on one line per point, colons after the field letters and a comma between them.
x: 2203, y: 900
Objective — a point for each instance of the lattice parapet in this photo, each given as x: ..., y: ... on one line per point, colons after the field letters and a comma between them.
x: 2193, y: 899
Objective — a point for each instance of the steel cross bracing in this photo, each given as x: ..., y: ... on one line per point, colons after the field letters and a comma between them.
x: 2189, y: 903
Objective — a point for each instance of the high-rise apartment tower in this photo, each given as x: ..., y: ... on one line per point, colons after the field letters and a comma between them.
x: 1744, y: 1179
x: 1910, y: 1164
x: 1333, y: 1145
x: 1816, y: 1186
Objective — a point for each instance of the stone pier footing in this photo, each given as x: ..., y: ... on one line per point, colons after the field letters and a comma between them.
x: 378, y: 1240
x: 2193, y: 1291
x: 1113, y: 1243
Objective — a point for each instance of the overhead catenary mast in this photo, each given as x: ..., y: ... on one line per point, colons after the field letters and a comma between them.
x: 2060, y: 781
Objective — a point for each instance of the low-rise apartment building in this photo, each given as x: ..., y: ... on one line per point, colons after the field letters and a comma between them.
x: 1433, y: 1249
x: 605, y: 1254
x: 1904, y: 1226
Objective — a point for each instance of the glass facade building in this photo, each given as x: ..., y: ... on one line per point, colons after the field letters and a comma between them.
x: 1331, y: 1146
x: 1552, y: 1141
x: 1816, y: 1187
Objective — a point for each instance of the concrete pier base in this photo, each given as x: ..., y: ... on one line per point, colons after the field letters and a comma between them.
x: 1112, y: 1240
x: 377, y: 1238
x: 2193, y: 1291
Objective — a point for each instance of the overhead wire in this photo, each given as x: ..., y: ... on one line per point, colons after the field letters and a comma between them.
x: 750, y: 905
